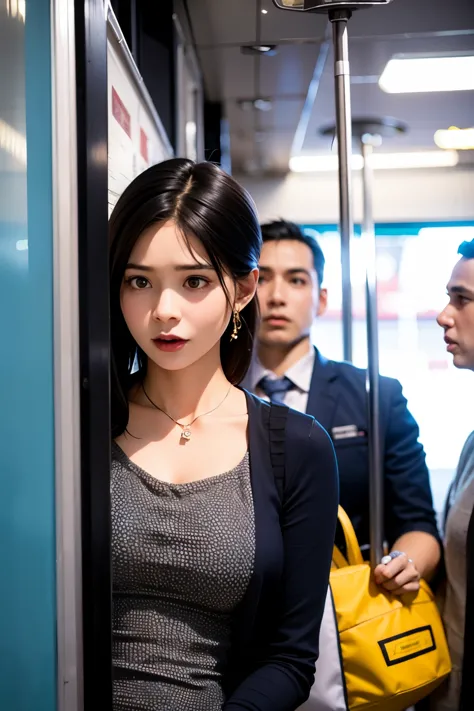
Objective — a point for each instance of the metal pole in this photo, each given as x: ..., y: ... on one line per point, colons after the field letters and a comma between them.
x: 375, y: 455
x: 339, y: 19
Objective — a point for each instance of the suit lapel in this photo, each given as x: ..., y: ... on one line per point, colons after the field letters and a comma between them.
x: 322, y: 401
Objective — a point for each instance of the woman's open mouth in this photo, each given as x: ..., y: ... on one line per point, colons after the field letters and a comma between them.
x: 169, y: 344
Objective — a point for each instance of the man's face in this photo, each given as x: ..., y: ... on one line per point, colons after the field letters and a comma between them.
x: 457, y: 319
x: 288, y: 292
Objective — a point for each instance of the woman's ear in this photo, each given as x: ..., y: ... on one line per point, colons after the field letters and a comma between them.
x: 246, y: 289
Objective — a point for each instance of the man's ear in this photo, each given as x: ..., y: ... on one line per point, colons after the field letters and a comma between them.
x: 322, y: 302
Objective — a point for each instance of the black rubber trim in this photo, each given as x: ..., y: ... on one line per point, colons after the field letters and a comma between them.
x: 92, y: 120
x: 392, y: 662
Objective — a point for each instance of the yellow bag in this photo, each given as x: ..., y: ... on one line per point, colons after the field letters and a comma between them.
x: 393, y: 649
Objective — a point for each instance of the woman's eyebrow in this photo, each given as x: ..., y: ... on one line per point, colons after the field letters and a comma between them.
x: 142, y: 267
x: 192, y: 267
x: 178, y: 267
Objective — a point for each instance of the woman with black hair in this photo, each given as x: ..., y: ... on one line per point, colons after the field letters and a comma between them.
x: 223, y: 507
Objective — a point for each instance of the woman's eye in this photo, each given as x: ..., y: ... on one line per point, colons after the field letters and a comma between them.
x: 298, y: 281
x: 196, y: 282
x: 138, y: 282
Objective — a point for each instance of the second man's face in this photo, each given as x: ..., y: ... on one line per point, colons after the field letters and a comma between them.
x: 289, y: 294
x: 457, y: 318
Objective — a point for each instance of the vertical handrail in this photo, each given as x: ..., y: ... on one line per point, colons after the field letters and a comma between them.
x: 339, y: 21
x: 375, y: 455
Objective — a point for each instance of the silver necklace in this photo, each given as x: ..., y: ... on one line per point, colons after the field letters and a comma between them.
x: 185, y: 429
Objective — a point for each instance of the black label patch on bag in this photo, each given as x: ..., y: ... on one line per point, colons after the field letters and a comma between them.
x: 407, y: 645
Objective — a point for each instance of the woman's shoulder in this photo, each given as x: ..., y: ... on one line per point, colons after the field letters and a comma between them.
x: 311, y: 464
x: 307, y: 442
x: 304, y: 437
x: 302, y: 428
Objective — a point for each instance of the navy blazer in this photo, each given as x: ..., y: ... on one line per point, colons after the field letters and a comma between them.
x: 338, y: 398
x: 276, y: 628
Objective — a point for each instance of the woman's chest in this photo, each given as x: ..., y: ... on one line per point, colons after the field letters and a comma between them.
x: 169, y: 457
x: 183, y: 541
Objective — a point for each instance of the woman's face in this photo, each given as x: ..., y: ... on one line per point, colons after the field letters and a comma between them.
x: 172, y: 300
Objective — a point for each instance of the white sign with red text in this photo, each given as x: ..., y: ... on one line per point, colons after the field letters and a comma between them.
x: 135, y: 142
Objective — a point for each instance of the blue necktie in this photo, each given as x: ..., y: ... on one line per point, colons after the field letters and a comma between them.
x: 275, y: 388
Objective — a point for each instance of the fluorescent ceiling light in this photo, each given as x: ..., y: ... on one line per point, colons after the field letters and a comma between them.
x: 458, y: 139
x: 13, y: 142
x: 380, y: 161
x: 408, y: 75
x: 17, y: 9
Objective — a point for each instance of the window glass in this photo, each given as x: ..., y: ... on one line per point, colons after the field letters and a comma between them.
x: 414, y: 263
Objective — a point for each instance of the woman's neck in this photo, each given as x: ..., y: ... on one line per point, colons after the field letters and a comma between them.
x: 184, y: 393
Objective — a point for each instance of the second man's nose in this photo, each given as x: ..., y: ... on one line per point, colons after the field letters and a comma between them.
x: 444, y: 319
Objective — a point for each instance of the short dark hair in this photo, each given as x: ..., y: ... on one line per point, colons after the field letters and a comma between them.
x: 466, y: 249
x: 285, y: 230
x: 206, y: 203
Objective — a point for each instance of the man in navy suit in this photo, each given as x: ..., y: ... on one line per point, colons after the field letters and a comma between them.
x: 289, y: 369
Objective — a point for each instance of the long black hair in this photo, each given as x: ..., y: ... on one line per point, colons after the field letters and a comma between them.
x: 205, y: 202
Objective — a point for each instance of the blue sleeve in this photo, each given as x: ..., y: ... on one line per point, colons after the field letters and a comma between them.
x: 285, y: 675
x: 408, y: 499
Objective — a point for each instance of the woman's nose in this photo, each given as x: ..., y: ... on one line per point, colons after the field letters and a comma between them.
x: 167, y: 307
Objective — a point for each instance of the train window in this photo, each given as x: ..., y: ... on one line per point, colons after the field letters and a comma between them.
x: 414, y: 262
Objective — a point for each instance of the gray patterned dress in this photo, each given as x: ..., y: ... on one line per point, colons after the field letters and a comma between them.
x: 182, y: 556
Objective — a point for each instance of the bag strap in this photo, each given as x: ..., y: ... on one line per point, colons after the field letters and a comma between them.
x: 276, y: 427
x: 354, y: 556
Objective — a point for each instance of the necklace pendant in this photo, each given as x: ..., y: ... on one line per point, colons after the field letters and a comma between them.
x: 186, y: 433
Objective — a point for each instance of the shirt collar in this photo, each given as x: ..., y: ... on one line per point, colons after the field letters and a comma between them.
x: 300, y: 373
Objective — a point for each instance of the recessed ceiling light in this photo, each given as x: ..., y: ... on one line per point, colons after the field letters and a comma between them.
x: 263, y: 104
x: 264, y: 12
x: 459, y: 139
x: 380, y: 161
x: 408, y: 75
x: 260, y: 104
x: 267, y: 49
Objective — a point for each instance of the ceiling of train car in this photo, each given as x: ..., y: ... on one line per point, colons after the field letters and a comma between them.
x: 262, y: 140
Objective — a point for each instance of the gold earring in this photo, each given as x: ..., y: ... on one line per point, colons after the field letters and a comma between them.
x: 237, y: 326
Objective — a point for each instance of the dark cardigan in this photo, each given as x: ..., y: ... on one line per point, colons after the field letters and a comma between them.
x: 276, y: 629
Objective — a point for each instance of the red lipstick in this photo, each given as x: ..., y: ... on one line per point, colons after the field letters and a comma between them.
x: 169, y: 343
